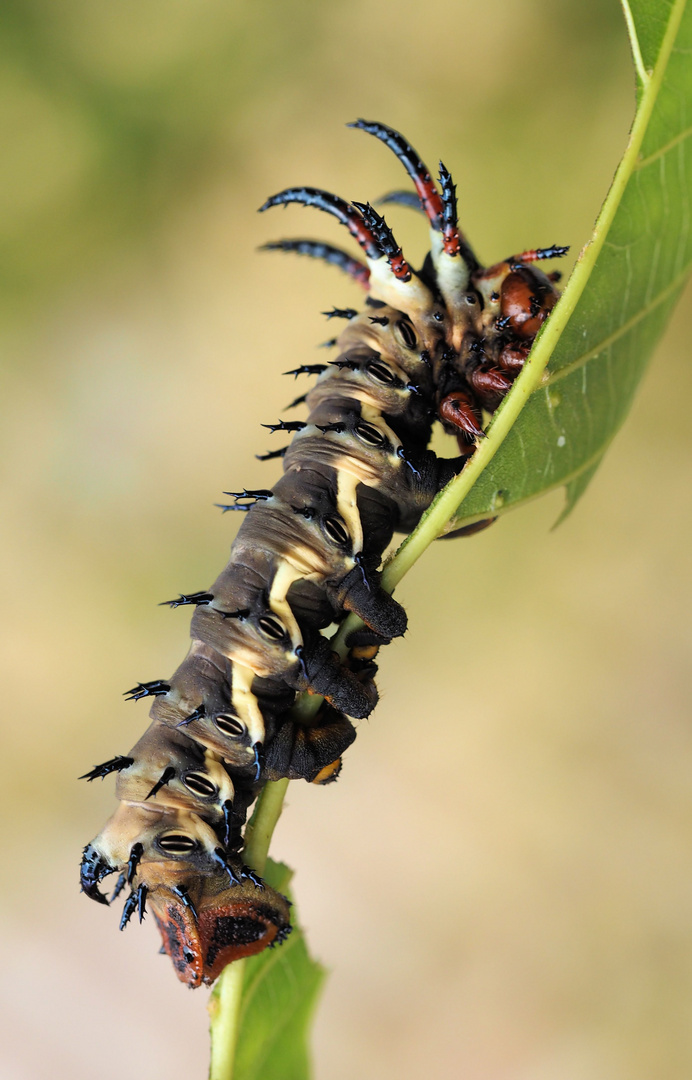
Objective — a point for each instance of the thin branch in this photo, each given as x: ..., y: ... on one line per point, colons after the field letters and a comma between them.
x: 226, y: 1000
x: 224, y: 1015
x: 261, y: 827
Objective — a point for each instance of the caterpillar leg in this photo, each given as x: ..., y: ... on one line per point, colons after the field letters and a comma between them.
x: 361, y: 593
x: 304, y: 753
x: 323, y: 674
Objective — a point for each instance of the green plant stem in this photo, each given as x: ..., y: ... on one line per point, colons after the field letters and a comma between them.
x: 224, y: 1015
x: 226, y: 1000
x: 261, y: 827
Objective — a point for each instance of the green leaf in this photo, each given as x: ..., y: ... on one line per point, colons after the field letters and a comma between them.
x: 276, y: 993
x: 554, y: 427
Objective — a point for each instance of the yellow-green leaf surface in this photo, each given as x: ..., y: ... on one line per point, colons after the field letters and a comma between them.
x: 275, y: 1006
x: 555, y: 425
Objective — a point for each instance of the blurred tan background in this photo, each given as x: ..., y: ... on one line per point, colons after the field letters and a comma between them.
x: 501, y: 879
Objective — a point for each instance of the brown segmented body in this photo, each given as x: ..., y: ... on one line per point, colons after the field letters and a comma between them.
x: 444, y: 343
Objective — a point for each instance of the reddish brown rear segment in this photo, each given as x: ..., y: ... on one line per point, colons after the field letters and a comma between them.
x: 227, y: 926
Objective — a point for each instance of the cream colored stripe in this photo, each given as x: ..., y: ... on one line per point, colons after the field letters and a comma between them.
x: 245, y: 703
x: 283, y: 579
x: 346, y: 503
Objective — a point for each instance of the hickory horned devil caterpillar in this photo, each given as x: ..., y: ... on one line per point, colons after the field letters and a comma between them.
x: 441, y: 343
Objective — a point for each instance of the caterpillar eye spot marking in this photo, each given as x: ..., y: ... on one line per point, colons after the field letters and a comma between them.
x: 200, y: 785
x: 451, y: 339
x: 407, y: 333
x: 381, y: 373
x: 176, y: 844
x: 336, y: 531
x: 230, y: 725
x: 271, y: 627
x: 369, y: 434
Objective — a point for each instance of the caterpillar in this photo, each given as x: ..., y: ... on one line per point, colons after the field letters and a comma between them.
x: 440, y: 344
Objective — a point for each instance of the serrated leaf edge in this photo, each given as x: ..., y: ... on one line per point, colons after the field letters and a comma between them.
x: 449, y: 500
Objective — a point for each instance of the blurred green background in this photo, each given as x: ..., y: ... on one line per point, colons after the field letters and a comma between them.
x: 501, y: 879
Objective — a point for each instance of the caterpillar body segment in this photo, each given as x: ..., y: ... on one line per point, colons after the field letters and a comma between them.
x: 195, y: 778
x: 209, y: 907
x: 440, y: 344
x: 217, y: 924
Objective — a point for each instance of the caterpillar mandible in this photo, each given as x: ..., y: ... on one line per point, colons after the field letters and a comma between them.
x: 440, y: 344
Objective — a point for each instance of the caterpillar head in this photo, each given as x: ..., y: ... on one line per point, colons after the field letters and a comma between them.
x: 517, y: 296
x: 526, y: 299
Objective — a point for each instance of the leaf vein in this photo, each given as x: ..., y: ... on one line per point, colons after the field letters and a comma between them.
x: 680, y: 138
x: 252, y: 987
x: 644, y: 75
x: 500, y: 511
x: 606, y: 343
